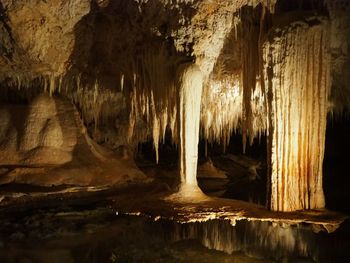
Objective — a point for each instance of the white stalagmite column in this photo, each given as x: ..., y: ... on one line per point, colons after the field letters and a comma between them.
x: 297, y: 83
x: 190, y: 85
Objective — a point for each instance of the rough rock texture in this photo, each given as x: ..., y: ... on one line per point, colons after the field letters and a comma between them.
x: 340, y: 51
x: 39, y: 35
x: 44, y: 133
x: 45, y: 143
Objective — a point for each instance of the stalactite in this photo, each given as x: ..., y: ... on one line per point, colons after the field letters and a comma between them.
x: 221, y: 109
x: 221, y: 114
x: 233, y: 99
x: 297, y: 83
x: 250, y: 72
x: 152, y: 96
x: 90, y: 97
x: 146, y: 79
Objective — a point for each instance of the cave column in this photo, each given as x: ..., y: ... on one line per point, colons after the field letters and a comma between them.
x: 297, y: 84
x: 190, y: 85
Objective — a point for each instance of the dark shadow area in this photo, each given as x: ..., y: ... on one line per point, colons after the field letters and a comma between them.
x: 336, y: 182
x: 283, y: 6
x: 247, y: 174
x: 12, y: 92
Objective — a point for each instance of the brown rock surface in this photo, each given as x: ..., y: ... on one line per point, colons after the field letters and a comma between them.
x: 45, y: 143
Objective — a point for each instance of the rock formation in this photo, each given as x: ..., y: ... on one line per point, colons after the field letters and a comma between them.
x: 297, y: 73
x: 137, y: 70
x: 45, y: 143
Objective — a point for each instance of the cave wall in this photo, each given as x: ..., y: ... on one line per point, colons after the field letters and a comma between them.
x: 340, y: 52
x: 45, y: 143
x: 38, y: 36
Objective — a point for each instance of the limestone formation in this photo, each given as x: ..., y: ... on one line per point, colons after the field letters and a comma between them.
x: 180, y: 70
x: 45, y: 143
x: 297, y: 82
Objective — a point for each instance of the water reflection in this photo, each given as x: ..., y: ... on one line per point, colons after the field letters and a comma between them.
x: 99, y: 235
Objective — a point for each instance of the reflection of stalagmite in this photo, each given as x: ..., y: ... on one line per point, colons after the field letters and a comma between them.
x: 297, y: 86
x: 190, y: 84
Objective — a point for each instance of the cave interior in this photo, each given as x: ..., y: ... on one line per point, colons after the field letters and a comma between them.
x: 174, y: 131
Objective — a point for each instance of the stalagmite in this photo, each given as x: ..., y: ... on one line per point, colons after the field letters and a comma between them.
x: 190, y: 84
x: 297, y: 81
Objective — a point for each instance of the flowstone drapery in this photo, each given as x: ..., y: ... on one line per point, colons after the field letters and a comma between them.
x: 297, y: 83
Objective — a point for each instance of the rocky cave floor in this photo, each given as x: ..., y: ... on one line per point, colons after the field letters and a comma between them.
x: 138, y: 223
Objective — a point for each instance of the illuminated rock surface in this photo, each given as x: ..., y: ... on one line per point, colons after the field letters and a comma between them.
x: 212, y: 100
x: 46, y: 144
x: 298, y: 84
x: 190, y: 88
